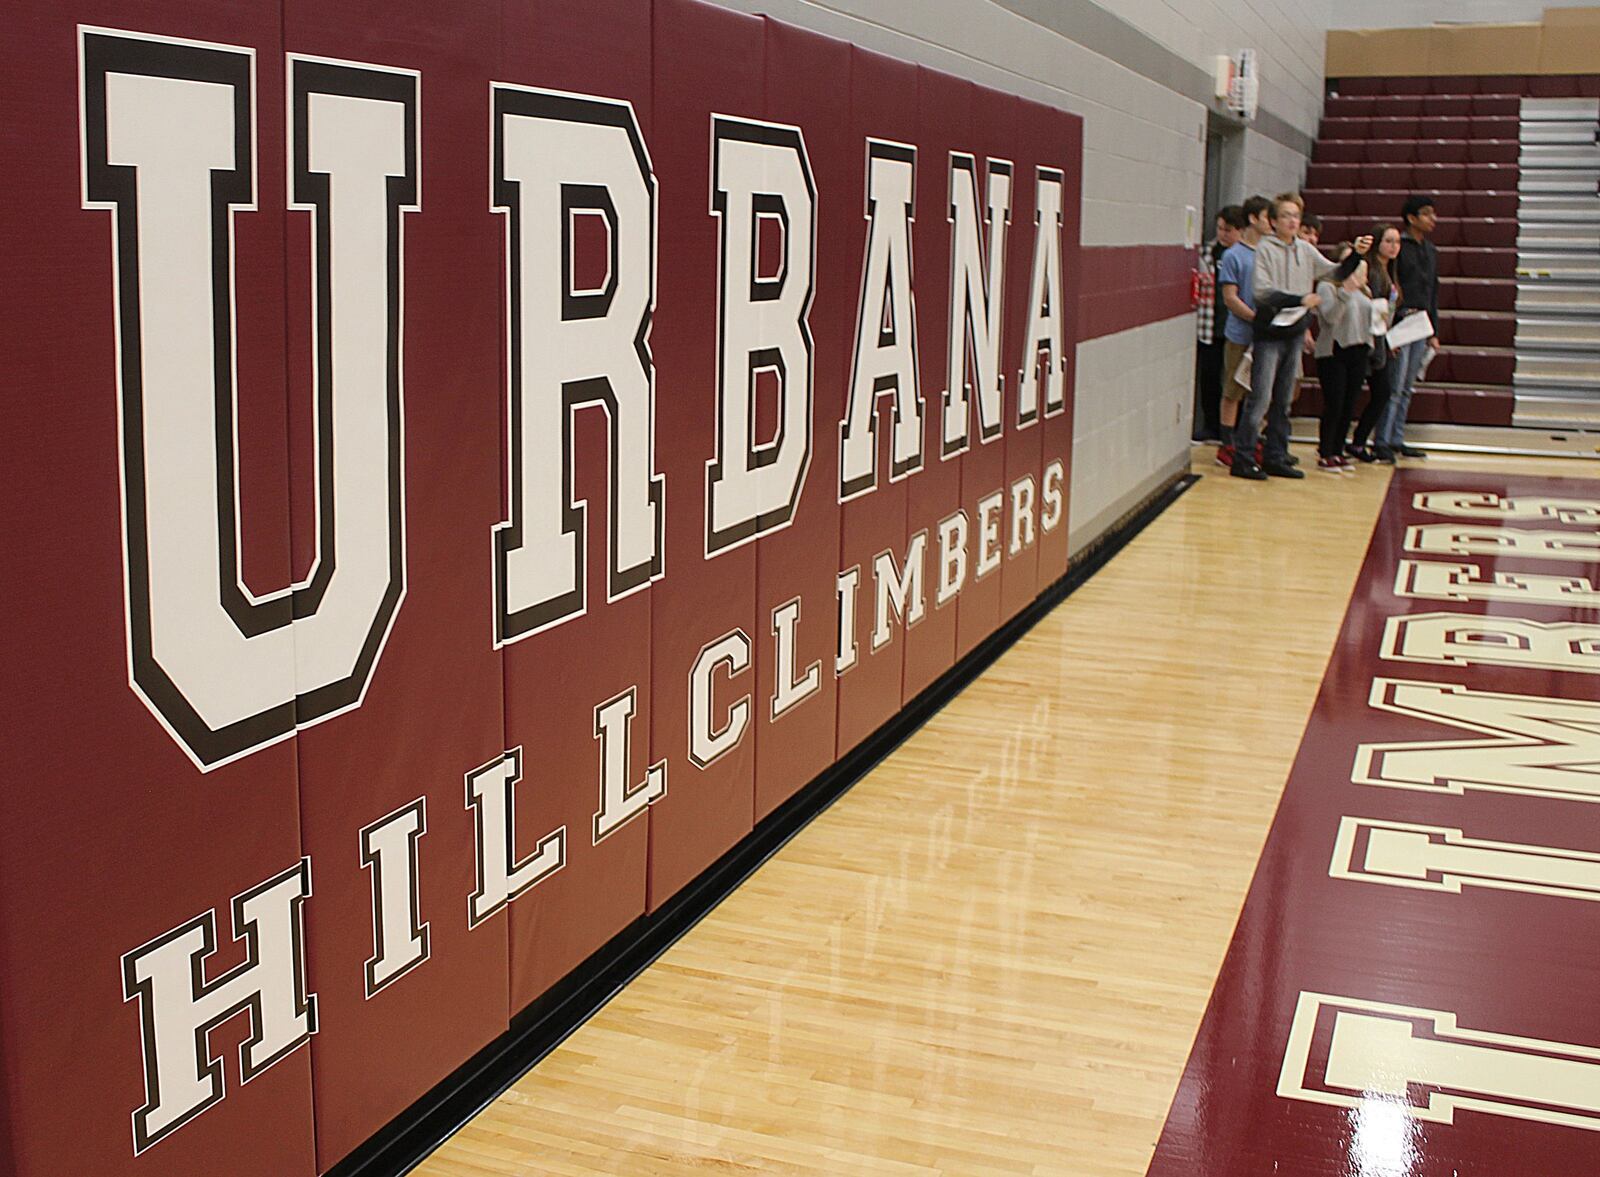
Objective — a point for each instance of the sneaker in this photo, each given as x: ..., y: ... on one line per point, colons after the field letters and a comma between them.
x: 1345, y: 463
x: 1411, y: 451
x: 1291, y: 459
x: 1282, y: 470
x: 1245, y: 468
x: 1361, y: 453
x: 1261, y: 447
x: 1225, y: 455
x: 1383, y: 455
x: 1331, y: 465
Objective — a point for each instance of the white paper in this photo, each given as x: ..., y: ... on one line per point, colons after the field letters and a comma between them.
x: 1241, y: 374
x: 1288, y: 317
x: 1410, y: 329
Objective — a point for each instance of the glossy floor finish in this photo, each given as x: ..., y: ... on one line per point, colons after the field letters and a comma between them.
x: 992, y: 955
x: 1412, y: 986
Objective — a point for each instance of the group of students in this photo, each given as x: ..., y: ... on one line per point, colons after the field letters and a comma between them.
x: 1265, y: 285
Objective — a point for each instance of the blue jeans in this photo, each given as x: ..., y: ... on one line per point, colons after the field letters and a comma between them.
x: 1274, y: 365
x: 1405, y: 367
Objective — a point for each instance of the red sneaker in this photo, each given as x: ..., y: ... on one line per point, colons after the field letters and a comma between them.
x: 1225, y: 456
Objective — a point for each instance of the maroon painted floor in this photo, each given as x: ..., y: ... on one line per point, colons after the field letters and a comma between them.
x: 1413, y: 989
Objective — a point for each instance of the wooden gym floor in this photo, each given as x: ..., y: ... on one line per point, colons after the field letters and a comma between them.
x: 992, y: 954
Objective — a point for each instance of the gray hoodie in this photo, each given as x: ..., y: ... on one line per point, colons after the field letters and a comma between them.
x: 1344, y: 317
x: 1285, y: 273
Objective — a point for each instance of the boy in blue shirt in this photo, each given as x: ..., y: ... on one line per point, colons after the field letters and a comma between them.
x: 1236, y: 280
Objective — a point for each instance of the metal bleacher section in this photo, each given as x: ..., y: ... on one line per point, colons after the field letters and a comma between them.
x: 1514, y: 168
x: 1557, y: 379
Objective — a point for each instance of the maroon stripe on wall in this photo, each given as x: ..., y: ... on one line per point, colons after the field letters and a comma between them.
x: 1410, y: 989
x: 1126, y: 286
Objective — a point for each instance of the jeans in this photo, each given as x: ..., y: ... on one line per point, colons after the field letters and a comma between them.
x: 1407, y: 366
x: 1378, y: 381
x: 1275, y: 364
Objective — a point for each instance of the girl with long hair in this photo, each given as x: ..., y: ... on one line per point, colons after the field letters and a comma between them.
x: 1385, y: 291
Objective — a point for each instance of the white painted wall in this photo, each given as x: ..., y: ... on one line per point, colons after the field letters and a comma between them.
x: 1131, y: 421
x: 1288, y: 35
x: 1411, y: 14
x: 1144, y: 161
x: 1270, y: 167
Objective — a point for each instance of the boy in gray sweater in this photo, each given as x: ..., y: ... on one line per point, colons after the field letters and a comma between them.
x: 1287, y: 271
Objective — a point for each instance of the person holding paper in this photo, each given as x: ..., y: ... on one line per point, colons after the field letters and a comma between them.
x: 1385, y: 301
x: 1286, y: 272
x: 1417, y: 272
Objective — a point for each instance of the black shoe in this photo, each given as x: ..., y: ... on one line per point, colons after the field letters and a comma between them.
x: 1386, y: 456
x: 1411, y: 451
x: 1282, y: 470
x: 1361, y: 453
x: 1245, y: 468
x: 1291, y: 459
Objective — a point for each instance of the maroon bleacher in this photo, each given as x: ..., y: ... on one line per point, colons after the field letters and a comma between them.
x: 1456, y: 139
x: 1486, y: 232
x: 1507, y: 85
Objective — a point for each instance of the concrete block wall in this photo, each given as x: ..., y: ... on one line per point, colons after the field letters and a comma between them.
x: 1131, y: 428
x: 1139, y: 72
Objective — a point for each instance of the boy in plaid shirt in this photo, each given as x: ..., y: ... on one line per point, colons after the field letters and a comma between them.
x: 1210, y: 316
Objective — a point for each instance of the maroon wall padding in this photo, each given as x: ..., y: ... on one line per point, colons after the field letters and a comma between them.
x: 707, y: 60
x: 883, y: 105
x: 799, y: 744
x: 945, y: 124
x: 433, y: 709
x: 983, y: 468
x: 1065, y: 143
x: 111, y: 836
x: 555, y: 680
x: 1019, y: 570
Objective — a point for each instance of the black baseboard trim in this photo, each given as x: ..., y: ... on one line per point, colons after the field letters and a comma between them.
x: 407, y: 1140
